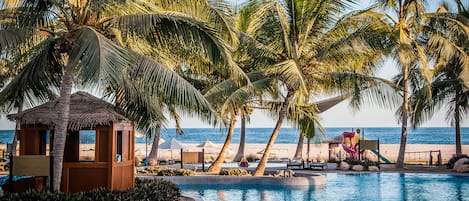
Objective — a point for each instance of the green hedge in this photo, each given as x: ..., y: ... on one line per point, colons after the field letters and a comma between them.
x: 234, y: 172
x: 145, y: 189
x: 164, y: 171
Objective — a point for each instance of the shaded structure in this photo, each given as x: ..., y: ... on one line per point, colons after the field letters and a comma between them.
x: 99, y: 149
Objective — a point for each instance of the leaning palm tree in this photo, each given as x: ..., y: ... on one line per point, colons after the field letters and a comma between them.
x: 231, y: 100
x: 447, y: 44
x: 80, y: 40
x: 307, y: 41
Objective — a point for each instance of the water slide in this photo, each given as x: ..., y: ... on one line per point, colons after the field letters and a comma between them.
x: 349, y: 144
x: 381, y: 156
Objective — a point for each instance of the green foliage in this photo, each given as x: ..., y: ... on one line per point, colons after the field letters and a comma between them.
x: 364, y: 163
x: 453, y: 160
x: 234, y: 172
x: 164, y: 171
x: 145, y: 189
x: 159, y: 190
x: 39, y: 195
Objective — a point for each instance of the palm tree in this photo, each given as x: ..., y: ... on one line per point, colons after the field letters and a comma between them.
x: 80, y: 40
x: 246, y: 112
x: 307, y: 41
x: 447, y: 43
x: 406, y: 50
x: 231, y: 100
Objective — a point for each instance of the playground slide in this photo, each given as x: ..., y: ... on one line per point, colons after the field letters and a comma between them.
x: 381, y: 156
x: 349, y: 143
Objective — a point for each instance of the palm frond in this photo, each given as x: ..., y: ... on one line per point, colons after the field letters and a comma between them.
x: 101, y: 59
x: 171, y: 89
x: 185, y: 31
x: 36, y: 82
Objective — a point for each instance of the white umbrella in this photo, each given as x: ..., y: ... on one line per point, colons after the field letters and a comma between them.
x: 171, y: 144
x: 207, y: 144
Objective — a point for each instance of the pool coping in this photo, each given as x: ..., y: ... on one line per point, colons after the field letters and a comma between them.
x: 294, y: 181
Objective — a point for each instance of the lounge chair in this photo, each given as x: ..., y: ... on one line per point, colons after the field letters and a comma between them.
x: 314, y: 165
x: 296, y: 162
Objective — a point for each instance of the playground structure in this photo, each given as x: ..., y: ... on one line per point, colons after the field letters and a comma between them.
x: 350, y: 144
x: 356, y: 147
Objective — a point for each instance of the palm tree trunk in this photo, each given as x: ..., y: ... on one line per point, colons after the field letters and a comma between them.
x: 17, y: 131
x: 308, y: 149
x: 283, y: 113
x: 63, y: 109
x: 405, y: 113
x: 153, y: 157
x: 216, y: 165
x: 457, y: 123
x: 299, y: 147
x: 242, y: 140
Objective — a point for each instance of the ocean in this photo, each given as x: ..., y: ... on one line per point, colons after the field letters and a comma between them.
x: 430, y: 135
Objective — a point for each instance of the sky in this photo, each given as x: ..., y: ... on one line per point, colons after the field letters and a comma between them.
x: 339, y: 116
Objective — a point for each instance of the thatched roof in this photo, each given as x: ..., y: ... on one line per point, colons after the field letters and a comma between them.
x: 85, y: 111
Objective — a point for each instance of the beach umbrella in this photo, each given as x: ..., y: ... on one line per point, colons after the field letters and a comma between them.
x: 171, y: 144
x: 207, y: 145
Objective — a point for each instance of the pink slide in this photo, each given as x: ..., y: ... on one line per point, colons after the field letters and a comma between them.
x: 350, y: 147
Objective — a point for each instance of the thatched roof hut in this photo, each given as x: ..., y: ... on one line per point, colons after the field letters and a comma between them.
x: 85, y: 111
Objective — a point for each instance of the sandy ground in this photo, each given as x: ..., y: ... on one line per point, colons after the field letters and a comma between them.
x: 319, y: 152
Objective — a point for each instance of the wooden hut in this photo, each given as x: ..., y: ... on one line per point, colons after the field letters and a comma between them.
x: 99, y: 149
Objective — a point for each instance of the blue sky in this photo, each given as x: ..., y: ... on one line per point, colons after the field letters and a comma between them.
x: 339, y: 116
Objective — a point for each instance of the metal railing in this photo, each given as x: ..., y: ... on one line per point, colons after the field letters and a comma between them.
x: 432, y: 157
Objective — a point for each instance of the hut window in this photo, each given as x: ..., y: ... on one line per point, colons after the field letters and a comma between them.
x: 87, y: 145
x: 119, y: 146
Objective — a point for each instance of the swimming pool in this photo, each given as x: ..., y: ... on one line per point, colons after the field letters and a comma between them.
x: 341, y: 186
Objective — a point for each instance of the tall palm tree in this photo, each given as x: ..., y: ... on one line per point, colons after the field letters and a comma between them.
x: 306, y: 40
x: 406, y: 50
x: 81, y: 41
x: 447, y: 44
x: 246, y: 112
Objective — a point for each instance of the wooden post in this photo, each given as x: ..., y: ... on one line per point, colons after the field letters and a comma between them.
x: 203, y: 160
x: 10, y: 179
x: 51, y: 162
x: 182, y: 161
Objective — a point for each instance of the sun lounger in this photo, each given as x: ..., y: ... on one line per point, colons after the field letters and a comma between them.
x: 323, y: 166
x: 296, y: 163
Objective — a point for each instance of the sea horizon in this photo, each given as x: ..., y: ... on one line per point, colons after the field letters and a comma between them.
x: 386, y: 135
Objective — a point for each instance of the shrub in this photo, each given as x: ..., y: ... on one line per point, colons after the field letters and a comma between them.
x: 145, y: 189
x: 365, y: 163
x: 163, y: 171
x: 234, y: 172
x: 453, y: 160
x: 33, y: 194
x: 158, y: 190
x: 103, y: 194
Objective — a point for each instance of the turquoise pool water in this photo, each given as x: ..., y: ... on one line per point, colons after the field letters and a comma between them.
x: 340, y: 186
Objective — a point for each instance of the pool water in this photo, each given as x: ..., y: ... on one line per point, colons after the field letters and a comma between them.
x: 341, y: 186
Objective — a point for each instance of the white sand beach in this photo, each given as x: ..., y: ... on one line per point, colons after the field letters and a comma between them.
x: 319, y: 152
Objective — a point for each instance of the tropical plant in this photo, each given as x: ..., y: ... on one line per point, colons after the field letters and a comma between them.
x: 231, y: 100
x: 404, y: 33
x: 303, y: 42
x: 81, y: 41
x: 447, y: 44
